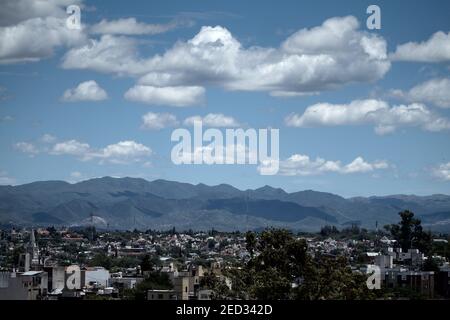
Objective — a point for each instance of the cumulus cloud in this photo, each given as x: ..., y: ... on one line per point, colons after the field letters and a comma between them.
x: 123, y: 152
x: 171, y: 96
x: 48, y: 138
x: 31, y: 30
x: 85, y: 91
x: 109, y: 54
x: 216, y: 120
x: 35, y: 39
x: 434, y: 91
x: 158, y: 121
x: 303, y: 165
x: 70, y: 147
x: 376, y: 112
x: 27, y: 148
x: 15, y: 11
x: 442, y: 171
x: 220, y: 154
x: 325, y: 57
x: 130, y: 26
x: 435, y: 49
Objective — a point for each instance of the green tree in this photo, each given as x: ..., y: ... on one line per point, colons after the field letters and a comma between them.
x: 250, y: 242
x: 146, y: 264
x: 216, y: 284
x: 282, y: 260
x: 409, y: 233
x: 153, y: 281
x: 330, y: 278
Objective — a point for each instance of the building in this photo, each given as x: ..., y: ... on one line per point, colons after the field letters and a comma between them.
x: 443, y: 282
x: 30, y: 285
x: 384, y: 261
x: 30, y: 260
x: 421, y: 282
x: 161, y: 295
x: 97, y: 276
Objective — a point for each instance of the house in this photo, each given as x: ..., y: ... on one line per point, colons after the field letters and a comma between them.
x: 161, y: 295
x: 420, y: 281
x: 30, y: 285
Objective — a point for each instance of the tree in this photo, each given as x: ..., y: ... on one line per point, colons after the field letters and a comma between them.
x: 281, y: 260
x: 328, y: 230
x: 146, y: 264
x: 329, y: 277
x: 250, y: 242
x: 431, y: 264
x: 409, y: 233
x: 216, y: 284
x: 153, y: 281
x: 269, y: 274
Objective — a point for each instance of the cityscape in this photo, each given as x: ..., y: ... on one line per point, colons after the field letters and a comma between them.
x: 86, y: 263
x: 224, y: 158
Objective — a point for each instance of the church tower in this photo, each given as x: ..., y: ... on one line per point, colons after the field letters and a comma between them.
x: 33, y: 250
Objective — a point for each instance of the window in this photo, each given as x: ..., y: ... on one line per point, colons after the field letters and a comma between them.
x: 160, y: 296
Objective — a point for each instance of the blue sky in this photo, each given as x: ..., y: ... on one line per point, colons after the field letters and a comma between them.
x: 360, y: 112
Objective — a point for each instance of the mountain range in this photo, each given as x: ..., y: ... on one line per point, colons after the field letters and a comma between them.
x: 128, y: 203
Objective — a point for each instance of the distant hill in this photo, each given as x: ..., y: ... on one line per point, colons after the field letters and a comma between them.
x: 127, y: 203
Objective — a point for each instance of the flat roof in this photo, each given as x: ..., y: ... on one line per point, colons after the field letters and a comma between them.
x: 31, y: 273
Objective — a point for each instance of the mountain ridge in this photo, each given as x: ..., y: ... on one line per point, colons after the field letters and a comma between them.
x: 127, y: 203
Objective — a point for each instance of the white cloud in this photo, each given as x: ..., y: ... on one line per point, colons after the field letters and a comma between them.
x: 216, y: 120
x: 220, y: 154
x: 70, y: 147
x: 123, y: 152
x: 109, y: 54
x: 85, y: 91
x: 171, y: 96
x: 48, y: 138
x: 333, y: 54
x: 359, y: 165
x: 130, y: 26
x: 434, y: 91
x: 15, y: 11
x: 435, y: 49
x: 27, y: 147
x: 35, y: 39
x: 442, y: 171
x: 5, y: 179
x: 303, y: 165
x: 385, y: 118
x: 158, y: 121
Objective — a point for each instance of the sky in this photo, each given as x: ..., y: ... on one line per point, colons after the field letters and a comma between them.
x: 360, y: 111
